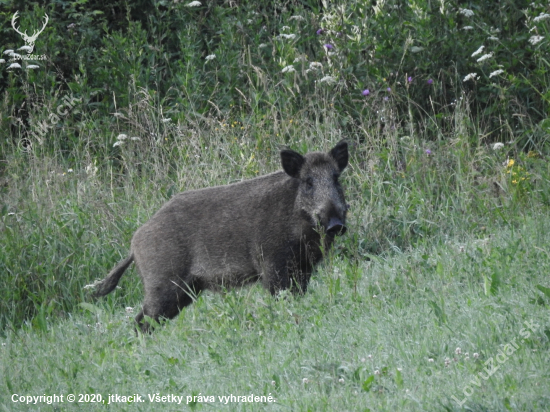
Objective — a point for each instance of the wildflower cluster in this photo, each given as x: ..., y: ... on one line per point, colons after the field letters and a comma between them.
x: 517, y: 173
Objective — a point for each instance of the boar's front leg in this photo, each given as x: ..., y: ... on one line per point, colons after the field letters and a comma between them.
x: 287, y: 271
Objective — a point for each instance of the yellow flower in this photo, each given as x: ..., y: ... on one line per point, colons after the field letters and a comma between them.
x: 510, y: 163
x: 514, y: 181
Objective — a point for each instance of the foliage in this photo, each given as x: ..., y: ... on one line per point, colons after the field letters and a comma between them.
x: 291, y: 57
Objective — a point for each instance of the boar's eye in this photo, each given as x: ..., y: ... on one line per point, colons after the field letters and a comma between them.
x: 309, y: 182
x: 335, y: 177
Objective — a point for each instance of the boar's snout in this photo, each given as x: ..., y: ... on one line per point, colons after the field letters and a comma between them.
x: 336, y: 227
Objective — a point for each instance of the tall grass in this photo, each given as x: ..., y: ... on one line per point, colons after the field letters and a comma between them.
x: 66, y: 219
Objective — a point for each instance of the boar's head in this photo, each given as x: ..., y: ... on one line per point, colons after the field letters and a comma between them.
x: 320, y: 196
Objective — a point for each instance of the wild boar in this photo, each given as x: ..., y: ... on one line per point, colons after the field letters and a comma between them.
x: 273, y: 228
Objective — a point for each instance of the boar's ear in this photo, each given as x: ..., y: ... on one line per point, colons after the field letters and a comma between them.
x: 292, y: 162
x: 340, y: 154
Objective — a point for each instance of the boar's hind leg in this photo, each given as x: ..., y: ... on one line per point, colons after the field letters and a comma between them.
x: 166, y: 302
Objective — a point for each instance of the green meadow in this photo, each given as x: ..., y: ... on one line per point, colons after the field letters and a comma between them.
x: 436, y: 299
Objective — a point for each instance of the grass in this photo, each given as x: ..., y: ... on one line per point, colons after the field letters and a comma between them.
x: 444, y: 251
x: 361, y: 339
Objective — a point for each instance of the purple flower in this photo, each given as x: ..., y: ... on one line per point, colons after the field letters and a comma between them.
x: 428, y: 152
x: 386, y: 98
x: 430, y: 81
x: 409, y: 79
x: 366, y: 92
x: 320, y: 31
x: 329, y: 46
x: 389, y: 89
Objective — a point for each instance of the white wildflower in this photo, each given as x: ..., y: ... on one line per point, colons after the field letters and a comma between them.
x: 496, y: 73
x: 543, y: 16
x: 458, y: 351
x: 14, y: 66
x: 478, y: 51
x: 535, y: 39
x: 288, y: 69
x: 33, y: 66
x: 430, y: 360
x: 416, y: 49
x: 305, y: 380
x: 284, y: 28
x: 485, y: 57
x: 2, y: 61
x: 498, y: 146
x: 167, y: 120
x: 467, y: 28
x: 129, y: 309
x: 286, y: 36
x: 118, y: 143
x: 261, y: 46
x: 471, y: 76
x: 26, y: 48
x: 466, y: 12
x: 9, y: 51
x: 194, y: 4
x: 121, y: 136
x: 135, y: 138
x: 315, y: 65
x: 297, y: 18
x: 91, y: 169
x: 70, y: 170
x: 493, y: 38
x: 328, y: 79
x: 210, y: 57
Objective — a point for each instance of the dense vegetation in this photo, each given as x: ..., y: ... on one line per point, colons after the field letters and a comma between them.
x: 445, y: 106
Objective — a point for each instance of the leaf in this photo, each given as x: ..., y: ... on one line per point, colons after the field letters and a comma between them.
x: 368, y: 383
x: 277, y: 381
x: 495, y: 283
x: 92, y: 308
x: 399, y: 379
x: 438, y: 311
x: 486, y: 285
x: 439, y: 269
x: 544, y: 290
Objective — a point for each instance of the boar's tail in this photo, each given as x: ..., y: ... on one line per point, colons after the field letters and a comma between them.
x: 107, y: 285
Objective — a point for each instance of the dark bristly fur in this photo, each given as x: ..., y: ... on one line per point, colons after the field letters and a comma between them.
x: 269, y: 228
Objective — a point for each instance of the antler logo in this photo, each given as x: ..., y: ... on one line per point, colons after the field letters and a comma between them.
x: 29, y: 39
